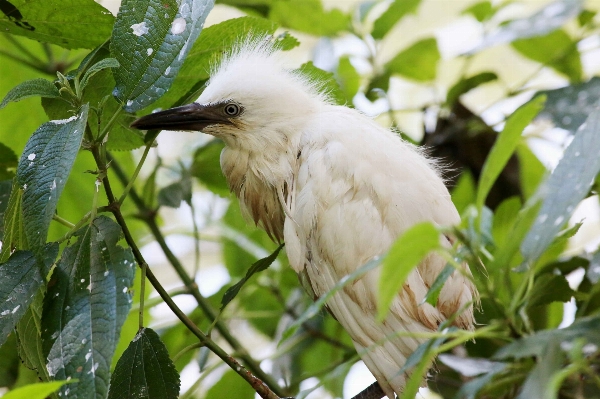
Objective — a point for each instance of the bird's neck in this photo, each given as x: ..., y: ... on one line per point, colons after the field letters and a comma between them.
x: 261, y: 180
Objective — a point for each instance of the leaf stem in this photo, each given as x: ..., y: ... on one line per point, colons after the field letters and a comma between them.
x: 62, y: 221
x: 135, y: 173
x: 109, y: 125
x: 143, y: 294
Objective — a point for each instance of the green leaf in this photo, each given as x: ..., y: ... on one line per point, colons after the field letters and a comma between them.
x: 550, y: 288
x: 470, y: 389
x: 206, y: 166
x: 397, y: 10
x: 31, y: 88
x: 29, y: 340
x: 5, y: 189
x: 14, y: 232
x: 10, y: 364
x: 21, y: 279
x: 538, y: 383
x: 174, y: 193
x: 464, y: 192
x: 418, y: 62
x: 324, y: 80
x: 258, y: 266
x: 348, y: 78
x: 228, y: 383
x: 434, y: 291
x: 568, y: 184
x: 585, y: 17
x: 99, y: 87
x: 568, y: 107
x: 97, y: 67
x: 465, y: 85
x: 404, y: 255
x: 40, y: 390
x: 87, y: 303
x: 547, y: 19
x: 556, y: 50
x: 482, y: 11
x: 532, y: 170
x: 151, y: 40
x: 8, y: 164
x: 66, y: 23
x: 308, y: 16
x: 43, y: 171
x: 505, y: 145
x: 586, y: 328
x: 145, y: 370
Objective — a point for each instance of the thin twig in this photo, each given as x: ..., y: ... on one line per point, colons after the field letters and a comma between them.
x: 149, y: 217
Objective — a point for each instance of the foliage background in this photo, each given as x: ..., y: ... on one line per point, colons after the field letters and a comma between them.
x: 410, y: 67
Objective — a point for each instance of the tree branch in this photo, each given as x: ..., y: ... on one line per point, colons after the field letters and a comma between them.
x: 257, y: 384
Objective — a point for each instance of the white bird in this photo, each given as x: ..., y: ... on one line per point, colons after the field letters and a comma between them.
x: 337, y: 188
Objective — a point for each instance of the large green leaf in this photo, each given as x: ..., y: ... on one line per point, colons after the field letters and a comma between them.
x: 67, y: 23
x: 150, y: 40
x: 397, y: 10
x: 35, y: 391
x: 404, y: 255
x: 568, y: 184
x: 145, y: 370
x: 505, y: 145
x: 538, y: 384
x: 309, y: 16
x: 418, y: 62
x: 556, y: 50
x: 546, y: 20
x: 13, y: 237
x: 85, y: 307
x: 325, y: 81
x: 43, y: 170
x: 215, y: 42
x: 20, y: 278
x: 29, y: 334
x: 568, y: 107
x: 549, y: 288
x: 31, y: 88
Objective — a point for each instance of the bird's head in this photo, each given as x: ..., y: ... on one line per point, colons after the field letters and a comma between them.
x: 250, y: 98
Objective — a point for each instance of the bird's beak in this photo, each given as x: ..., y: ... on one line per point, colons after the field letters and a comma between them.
x: 193, y: 116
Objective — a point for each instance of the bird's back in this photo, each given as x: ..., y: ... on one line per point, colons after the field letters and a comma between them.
x: 357, y: 188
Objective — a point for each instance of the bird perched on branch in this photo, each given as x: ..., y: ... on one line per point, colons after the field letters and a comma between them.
x: 337, y: 188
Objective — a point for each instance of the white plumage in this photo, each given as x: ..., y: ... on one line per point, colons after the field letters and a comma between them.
x: 338, y: 189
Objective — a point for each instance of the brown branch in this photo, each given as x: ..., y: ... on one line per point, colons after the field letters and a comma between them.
x: 373, y: 391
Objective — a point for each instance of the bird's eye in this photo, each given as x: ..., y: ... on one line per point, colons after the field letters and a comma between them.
x: 232, y: 109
